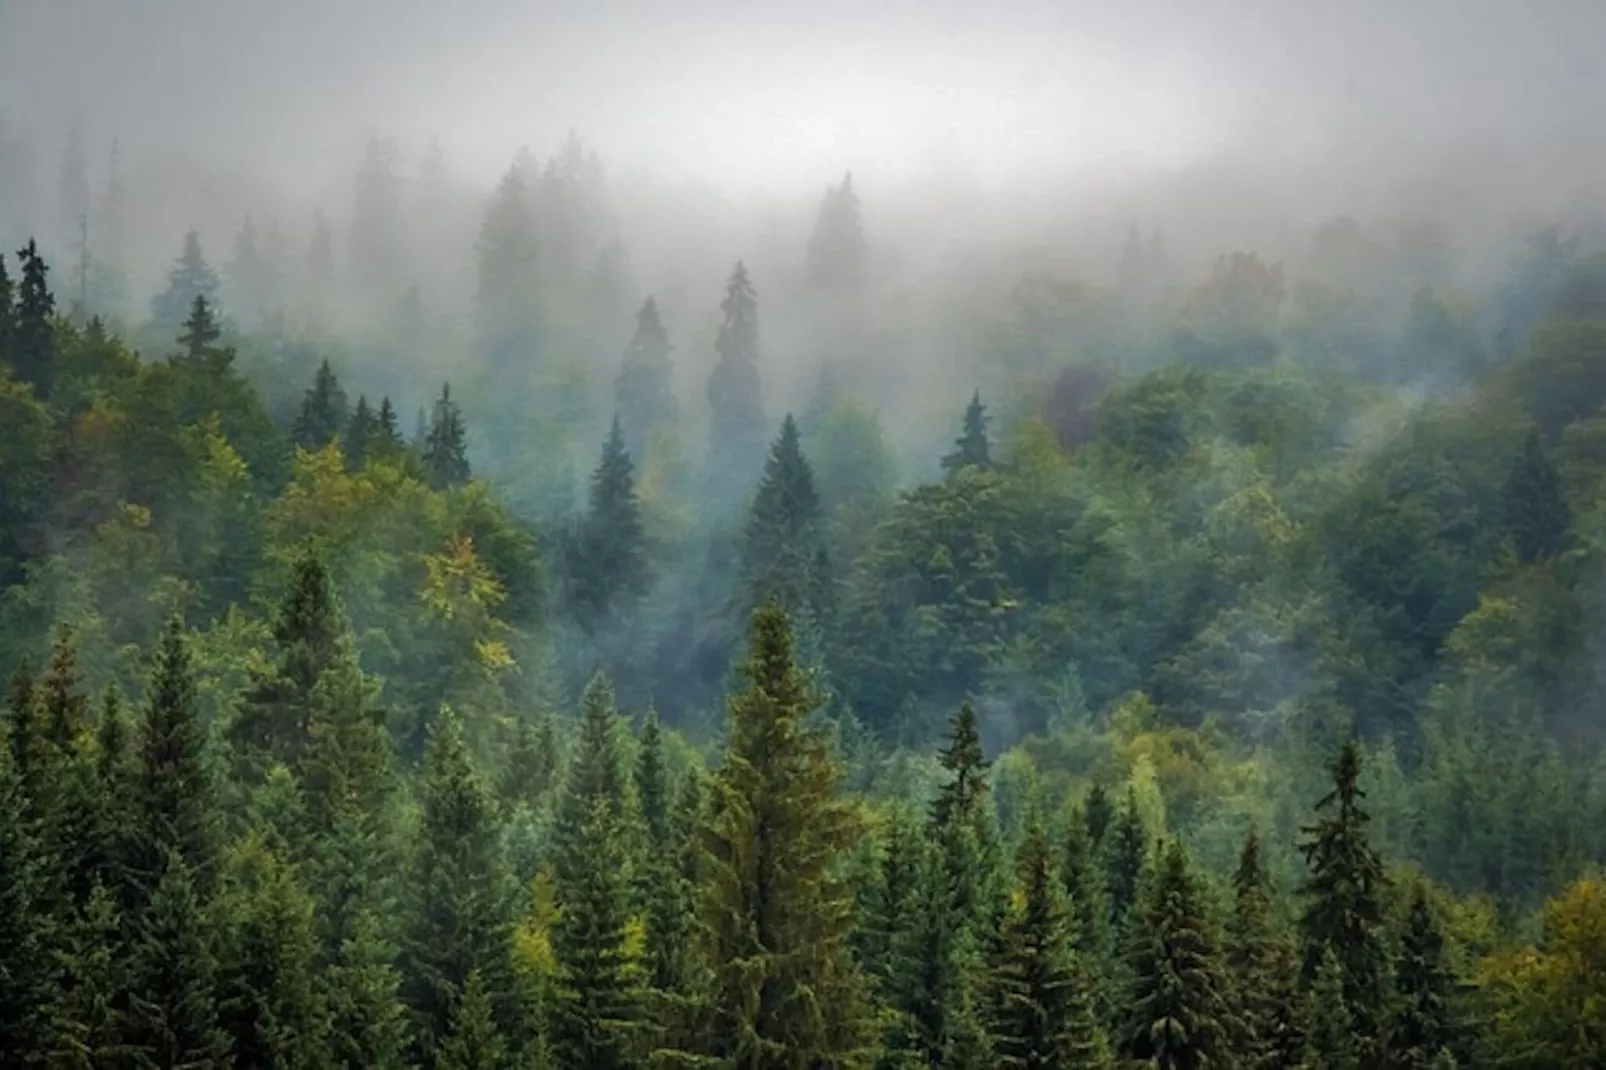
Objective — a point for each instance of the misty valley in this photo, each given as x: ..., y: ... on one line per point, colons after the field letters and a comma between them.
x: 564, y: 616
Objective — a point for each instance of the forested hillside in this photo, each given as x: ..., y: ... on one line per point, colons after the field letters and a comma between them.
x: 1218, y: 687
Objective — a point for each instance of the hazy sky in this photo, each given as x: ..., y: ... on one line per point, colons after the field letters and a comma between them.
x: 783, y: 95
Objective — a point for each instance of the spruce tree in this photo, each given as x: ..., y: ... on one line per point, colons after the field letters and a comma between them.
x: 199, y: 333
x: 644, y: 395
x: 736, y: 409
x: 1125, y: 852
x: 361, y: 429
x: 1343, y: 908
x: 608, y: 559
x: 785, y: 992
x: 460, y: 902
x: 531, y: 767
x: 173, y: 1013
x: 1332, y: 1039
x: 1089, y: 912
x: 598, y: 1011
x: 1097, y: 813
x: 971, y: 448
x: 27, y: 982
x: 1039, y: 1008
x: 323, y: 413
x: 836, y: 250
x: 110, y: 850
x: 887, y: 917
x: 346, y: 764
x: 963, y: 795
x: 87, y: 1020
x: 1536, y: 513
x: 8, y: 312
x: 1179, y: 1017
x: 174, y: 797
x: 191, y: 277
x: 1423, y: 1023
x: 33, y: 330
x: 445, y: 447
x: 1250, y: 946
x: 783, y: 542
x: 387, y: 439
x: 267, y: 999
x: 367, y: 1021
x: 473, y: 1041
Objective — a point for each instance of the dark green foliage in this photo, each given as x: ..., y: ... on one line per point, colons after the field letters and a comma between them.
x: 607, y: 558
x: 1097, y: 813
x: 736, y: 410
x: 962, y: 796
x: 971, y: 448
x: 459, y: 896
x: 367, y: 1021
x: 87, y: 1021
x: 1179, y: 1016
x: 1039, y: 1009
x: 27, y: 984
x: 174, y: 796
x: 1252, y: 949
x: 190, y: 278
x: 1536, y: 514
x: 445, y: 446
x: 531, y: 767
x: 1423, y: 1024
x: 199, y: 333
x: 8, y: 311
x: 784, y: 989
x: 598, y: 1007
x: 173, y: 1003
x: 1332, y: 1039
x: 1089, y: 912
x: 1125, y: 851
x: 361, y: 429
x: 323, y: 413
x: 32, y: 349
x: 473, y: 1042
x: 782, y: 544
x: 644, y: 395
x: 1343, y: 908
x: 888, y: 915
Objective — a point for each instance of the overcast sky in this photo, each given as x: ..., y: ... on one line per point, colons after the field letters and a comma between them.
x: 747, y: 93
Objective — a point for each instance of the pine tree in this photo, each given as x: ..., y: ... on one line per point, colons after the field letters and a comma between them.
x: 1250, y: 949
x: 736, y: 410
x: 70, y: 802
x: 191, y: 277
x: 26, y: 978
x: 88, y: 1018
x: 608, y: 560
x: 445, y: 445
x: 29, y: 743
x: 1332, y: 1041
x: 199, y: 333
x: 836, y: 251
x: 1039, y: 1008
x: 783, y: 539
x: 367, y: 1022
x: 174, y: 798
x: 1125, y: 851
x: 1282, y: 1039
x: 360, y: 430
x: 966, y: 763
x: 598, y: 1008
x: 971, y: 448
x: 887, y: 917
x: 275, y: 718
x: 1179, y: 1015
x: 268, y: 1002
x: 459, y: 918
x: 1423, y: 1024
x: 1090, y: 913
x: 473, y: 1041
x: 323, y: 413
x: 644, y: 394
x: 109, y: 852
x: 784, y: 989
x: 173, y: 1014
x: 1343, y: 897
x: 1536, y: 513
x: 33, y: 330
x: 387, y: 438
x: 531, y: 768
x: 346, y: 766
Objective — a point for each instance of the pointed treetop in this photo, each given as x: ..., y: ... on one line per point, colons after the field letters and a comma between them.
x: 971, y: 447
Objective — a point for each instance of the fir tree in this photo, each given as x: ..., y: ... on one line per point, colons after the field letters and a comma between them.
x: 8, y: 312
x: 736, y: 409
x: 1343, y: 897
x: 460, y: 904
x: 1536, y: 513
x: 784, y: 989
x: 27, y: 983
x: 971, y: 448
x: 199, y: 333
x: 191, y: 277
x: 360, y: 430
x: 644, y: 395
x: 33, y: 330
x: 1179, y: 1015
x: 962, y: 797
x: 1039, y: 1008
x: 31, y: 752
x: 782, y: 539
x: 836, y: 251
x: 473, y: 1041
x: 608, y: 561
x: 107, y: 853
x: 387, y: 437
x: 88, y: 1019
x: 1097, y: 813
x: 598, y: 1008
x: 174, y: 803
x: 173, y: 1014
x: 323, y: 413
x: 1089, y: 912
x: 346, y: 764
x: 367, y: 1022
x: 1125, y: 851
x: 1423, y: 1024
x: 531, y: 768
x: 267, y: 998
x: 68, y: 811
x: 1250, y: 949
x: 445, y: 445
x: 888, y: 916
x: 1332, y: 1041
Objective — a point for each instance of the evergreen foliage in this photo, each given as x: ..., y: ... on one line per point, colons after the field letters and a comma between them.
x: 1423, y: 1024
x: 780, y: 553
x: 644, y: 395
x: 608, y: 559
x: 445, y: 446
x: 324, y: 413
x: 32, y: 348
x: 971, y: 448
x: 191, y: 277
x: 735, y: 399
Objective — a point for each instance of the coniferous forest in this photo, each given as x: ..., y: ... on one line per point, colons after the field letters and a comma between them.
x: 1189, y: 663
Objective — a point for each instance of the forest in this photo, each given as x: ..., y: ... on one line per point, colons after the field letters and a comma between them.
x: 459, y: 628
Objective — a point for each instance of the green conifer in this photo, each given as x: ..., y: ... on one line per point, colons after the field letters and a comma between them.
x: 88, y: 1018
x: 190, y: 278
x: 473, y: 1041
x: 445, y: 446
x: 173, y: 1013
x: 971, y: 448
x: 1125, y: 852
x: 323, y: 413
x: 1331, y: 1039
x: 607, y: 559
x: 1536, y: 513
x: 782, y: 540
x: 1423, y: 1020
x: 644, y: 394
x: 33, y: 330
x: 27, y: 982
x: 361, y: 429
x: 736, y: 409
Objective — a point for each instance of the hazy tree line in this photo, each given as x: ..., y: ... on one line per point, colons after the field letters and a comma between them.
x: 1217, y: 694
